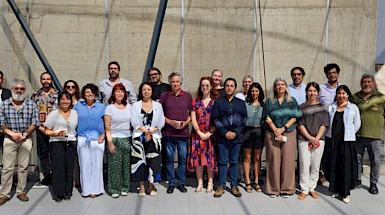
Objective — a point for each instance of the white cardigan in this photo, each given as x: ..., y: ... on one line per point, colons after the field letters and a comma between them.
x: 352, y: 120
x: 158, y: 119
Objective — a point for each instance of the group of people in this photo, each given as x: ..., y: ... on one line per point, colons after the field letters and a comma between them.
x: 330, y: 127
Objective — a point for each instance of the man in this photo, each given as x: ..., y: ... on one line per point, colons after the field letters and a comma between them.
x: 217, y: 76
x: 298, y: 88
x: 247, y: 81
x: 5, y: 94
x: 176, y: 105
x: 229, y: 116
x: 105, y: 86
x: 46, y: 101
x: 328, y: 90
x: 154, y: 76
x: 371, y: 104
x: 326, y: 96
x: 18, y: 119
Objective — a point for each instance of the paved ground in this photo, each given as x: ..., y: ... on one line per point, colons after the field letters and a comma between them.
x: 192, y: 203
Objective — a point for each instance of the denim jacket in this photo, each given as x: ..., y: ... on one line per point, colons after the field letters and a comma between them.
x: 352, y: 120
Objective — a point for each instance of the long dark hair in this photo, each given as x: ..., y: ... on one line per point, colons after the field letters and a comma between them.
x: 77, y: 89
x: 346, y: 89
x: 140, y: 94
x: 213, y: 92
x: 261, y: 96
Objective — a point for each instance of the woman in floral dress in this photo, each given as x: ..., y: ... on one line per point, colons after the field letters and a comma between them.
x: 201, y: 150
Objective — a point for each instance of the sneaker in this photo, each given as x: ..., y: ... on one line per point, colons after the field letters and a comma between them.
x: 219, y: 192
x: 373, y: 189
x: 235, y: 191
x: 170, y: 189
x: 346, y: 199
x: 115, y: 195
x: 285, y: 195
x: 273, y: 196
x: 23, y: 197
x: 124, y: 193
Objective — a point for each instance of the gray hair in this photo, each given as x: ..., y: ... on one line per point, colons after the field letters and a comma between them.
x: 367, y: 76
x: 287, y: 93
x: 248, y: 76
x: 173, y: 75
x: 17, y: 81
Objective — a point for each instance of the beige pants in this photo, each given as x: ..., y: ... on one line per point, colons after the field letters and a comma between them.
x: 13, y: 151
x: 280, y: 161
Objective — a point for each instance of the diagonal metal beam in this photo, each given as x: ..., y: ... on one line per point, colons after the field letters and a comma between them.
x: 34, y: 43
x: 155, y: 37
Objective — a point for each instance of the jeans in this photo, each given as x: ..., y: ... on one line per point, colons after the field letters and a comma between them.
x: 374, y: 150
x: 228, y: 153
x: 171, y: 143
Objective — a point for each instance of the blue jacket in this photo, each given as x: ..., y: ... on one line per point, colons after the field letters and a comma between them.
x: 229, y: 116
x: 352, y: 120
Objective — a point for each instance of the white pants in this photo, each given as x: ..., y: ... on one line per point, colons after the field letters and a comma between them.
x: 91, y: 166
x: 309, y: 162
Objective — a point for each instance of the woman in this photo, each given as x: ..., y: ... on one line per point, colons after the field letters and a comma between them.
x: 345, y: 122
x: 281, y: 112
x: 90, y: 141
x: 147, y: 121
x: 217, y: 76
x: 61, y: 127
x: 117, y: 120
x: 252, y: 135
x: 312, y: 127
x: 201, y: 150
x: 72, y: 88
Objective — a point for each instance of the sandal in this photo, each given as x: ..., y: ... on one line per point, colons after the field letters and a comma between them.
x: 210, y: 187
x: 142, y: 192
x: 153, y: 191
x: 248, y: 188
x: 257, y: 188
x: 199, y: 188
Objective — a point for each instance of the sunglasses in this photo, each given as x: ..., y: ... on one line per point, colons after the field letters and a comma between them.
x: 70, y: 87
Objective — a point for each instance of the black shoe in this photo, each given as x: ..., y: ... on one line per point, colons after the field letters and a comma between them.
x: 181, y: 188
x: 170, y: 189
x: 373, y: 189
x: 359, y: 184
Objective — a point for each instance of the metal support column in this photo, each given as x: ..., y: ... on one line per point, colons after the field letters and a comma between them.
x: 34, y: 43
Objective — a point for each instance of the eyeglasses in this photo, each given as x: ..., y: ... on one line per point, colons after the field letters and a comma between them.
x: 19, y: 88
x: 296, y: 74
x: 70, y: 87
x: 154, y: 74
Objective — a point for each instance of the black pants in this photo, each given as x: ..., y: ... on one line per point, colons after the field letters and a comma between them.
x: 63, y: 157
x: 43, y: 151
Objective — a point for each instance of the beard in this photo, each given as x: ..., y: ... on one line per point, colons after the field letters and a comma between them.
x: 114, y: 75
x: 367, y: 90
x: 18, y: 97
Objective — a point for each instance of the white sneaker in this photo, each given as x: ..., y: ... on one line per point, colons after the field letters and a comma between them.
x: 124, y: 193
x: 115, y: 195
x: 346, y: 199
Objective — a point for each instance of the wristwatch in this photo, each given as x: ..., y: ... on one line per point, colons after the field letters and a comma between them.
x: 285, y: 127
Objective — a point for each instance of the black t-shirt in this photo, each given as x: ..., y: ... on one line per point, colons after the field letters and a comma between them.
x: 159, y: 89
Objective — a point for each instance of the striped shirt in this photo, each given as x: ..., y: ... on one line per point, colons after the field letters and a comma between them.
x: 19, y: 120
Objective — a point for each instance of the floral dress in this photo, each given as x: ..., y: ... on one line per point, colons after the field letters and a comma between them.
x: 202, y: 152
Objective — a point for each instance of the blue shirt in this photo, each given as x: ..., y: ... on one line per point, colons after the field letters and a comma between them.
x: 90, y: 118
x: 298, y: 93
x: 327, y: 94
x: 229, y: 116
x: 19, y: 120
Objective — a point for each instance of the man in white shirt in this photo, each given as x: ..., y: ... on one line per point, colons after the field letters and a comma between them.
x: 298, y: 88
x: 105, y: 86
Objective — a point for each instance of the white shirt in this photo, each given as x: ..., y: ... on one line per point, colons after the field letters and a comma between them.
x: 57, y: 123
x: 241, y: 96
x: 298, y: 93
x: 120, y: 120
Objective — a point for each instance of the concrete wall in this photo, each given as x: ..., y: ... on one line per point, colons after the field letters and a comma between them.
x: 218, y: 34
